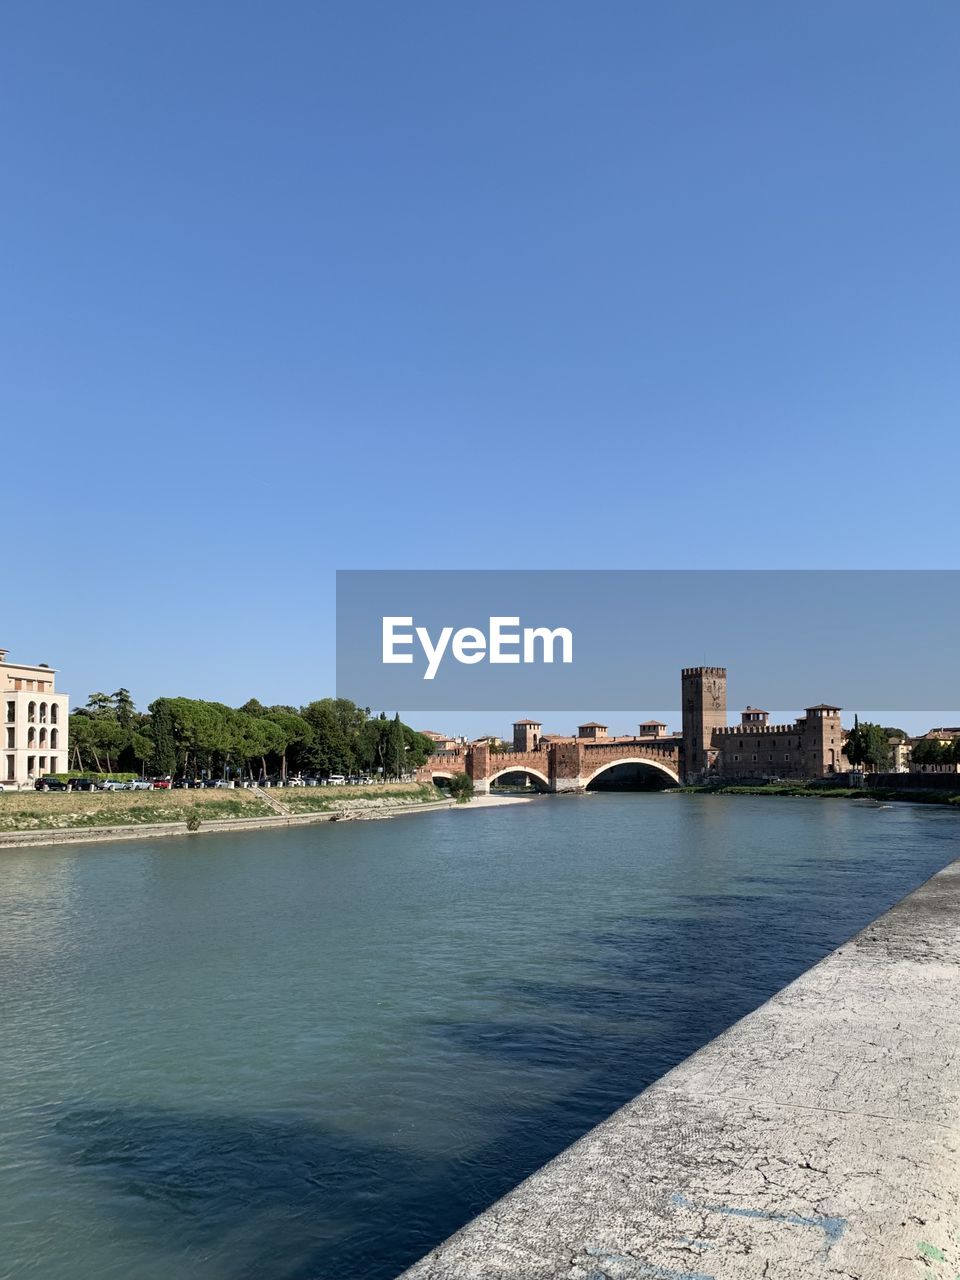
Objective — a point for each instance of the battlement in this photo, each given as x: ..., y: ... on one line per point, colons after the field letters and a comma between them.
x: 759, y: 730
x: 704, y: 671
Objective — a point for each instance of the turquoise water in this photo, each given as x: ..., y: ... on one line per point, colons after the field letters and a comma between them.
x: 313, y: 1053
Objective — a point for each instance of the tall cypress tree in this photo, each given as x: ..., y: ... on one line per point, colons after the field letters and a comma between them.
x: 396, y: 754
x: 164, y: 757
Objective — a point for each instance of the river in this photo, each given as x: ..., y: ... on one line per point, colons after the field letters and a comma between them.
x: 312, y: 1053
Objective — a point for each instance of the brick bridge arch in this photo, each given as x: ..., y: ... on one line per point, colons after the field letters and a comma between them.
x: 525, y: 769
x: 559, y: 766
x: 658, y: 765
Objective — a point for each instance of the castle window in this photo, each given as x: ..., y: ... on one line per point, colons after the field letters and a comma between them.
x: 754, y: 759
x: 735, y: 759
x: 786, y: 755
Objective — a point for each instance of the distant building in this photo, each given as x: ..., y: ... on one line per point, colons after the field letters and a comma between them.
x: 35, y: 723
x: 901, y: 750
x: 652, y: 729
x: 592, y: 731
x: 441, y: 741
x: 526, y: 735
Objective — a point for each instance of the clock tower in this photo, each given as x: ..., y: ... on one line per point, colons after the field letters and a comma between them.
x: 704, y: 708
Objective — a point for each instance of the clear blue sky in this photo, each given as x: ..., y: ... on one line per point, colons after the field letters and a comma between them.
x: 291, y: 287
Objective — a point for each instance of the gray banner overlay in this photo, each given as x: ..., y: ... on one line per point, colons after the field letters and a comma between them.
x: 852, y: 638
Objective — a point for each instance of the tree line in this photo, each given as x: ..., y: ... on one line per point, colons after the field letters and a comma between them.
x: 930, y: 751
x: 191, y: 737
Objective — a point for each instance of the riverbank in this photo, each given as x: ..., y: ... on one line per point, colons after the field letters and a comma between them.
x: 911, y: 795
x: 817, y: 1137
x: 179, y: 815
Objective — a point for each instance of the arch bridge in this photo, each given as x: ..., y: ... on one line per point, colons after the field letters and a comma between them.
x: 556, y: 766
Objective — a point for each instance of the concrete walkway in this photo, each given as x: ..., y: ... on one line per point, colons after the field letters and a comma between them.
x: 819, y: 1137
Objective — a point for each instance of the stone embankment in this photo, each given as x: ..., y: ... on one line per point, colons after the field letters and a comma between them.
x: 818, y: 1138
x: 349, y: 811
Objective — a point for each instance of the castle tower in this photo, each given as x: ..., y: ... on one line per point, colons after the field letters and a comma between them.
x: 526, y: 735
x: 703, y: 693
x: 753, y: 716
x: 822, y: 741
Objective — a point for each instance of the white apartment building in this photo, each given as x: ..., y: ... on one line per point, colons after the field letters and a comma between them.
x: 34, y: 724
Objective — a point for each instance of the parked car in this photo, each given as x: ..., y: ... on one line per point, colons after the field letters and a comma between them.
x: 84, y: 784
x: 112, y: 784
x: 50, y: 784
x: 337, y: 780
x: 141, y: 784
x: 161, y: 784
x: 296, y: 782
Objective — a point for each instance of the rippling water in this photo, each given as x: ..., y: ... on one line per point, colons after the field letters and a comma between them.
x: 314, y: 1053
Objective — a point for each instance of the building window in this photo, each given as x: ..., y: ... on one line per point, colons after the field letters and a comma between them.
x: 54, y: 738
x: 11, y: 768
x: 53, y: 764
x: 11, y: 712
x: 54, y: 714
x: 31, y: 737
x: 43, y: 764
x: 786, y: 755
x: 754, y: 759
x: 31, y: 711
x: 11, y: 736
x: 43, y: 737
x: 43, y: 713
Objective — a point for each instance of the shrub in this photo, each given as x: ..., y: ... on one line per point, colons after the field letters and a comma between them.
x: 461, y: 788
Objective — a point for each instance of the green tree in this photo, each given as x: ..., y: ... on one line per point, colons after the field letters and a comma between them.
x: 461, y: 787
x: 163, y: 736
x: 868, y: 746
x: 293, y: 733
x: 396, y: 749
x: 124, y: 708
x: 931, y: 751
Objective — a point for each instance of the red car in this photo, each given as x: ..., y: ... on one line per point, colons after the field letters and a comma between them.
x: 161, y: 784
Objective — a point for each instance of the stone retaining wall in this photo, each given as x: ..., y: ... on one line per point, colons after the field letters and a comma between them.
x: 818, y: 1138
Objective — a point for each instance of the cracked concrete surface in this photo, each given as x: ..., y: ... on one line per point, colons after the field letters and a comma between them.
x: 818, y: 1137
